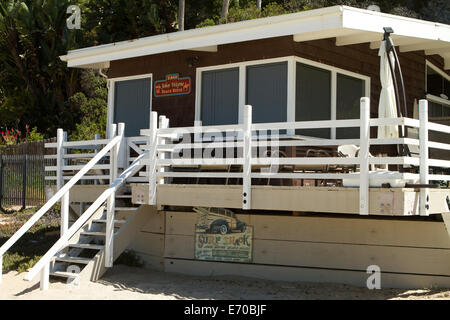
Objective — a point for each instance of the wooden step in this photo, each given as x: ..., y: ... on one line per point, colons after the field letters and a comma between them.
x: 93, y: 234
x: 123, y: 196
x: 87, y: 246
x: 64, y: 274
x: 126, y: 208
x: 104, y: 221
x: 73, y: 260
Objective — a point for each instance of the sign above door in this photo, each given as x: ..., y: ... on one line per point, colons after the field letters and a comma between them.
x: 173, y: 85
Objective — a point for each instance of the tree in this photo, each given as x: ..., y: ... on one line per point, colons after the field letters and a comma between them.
x: 35, y: 83
x: 91, y: 100
x: 225, y: 8
x: 259, y: 4
x: 181, y: 9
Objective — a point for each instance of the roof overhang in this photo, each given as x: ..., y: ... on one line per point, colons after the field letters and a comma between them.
x: 348, y: 25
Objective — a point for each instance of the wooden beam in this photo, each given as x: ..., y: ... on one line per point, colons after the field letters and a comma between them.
x: 383, y: 201
x: 358, y: 38
x: 205, y: 49
x: 348, y: 230
x: 445, y: 50
x: 296, y: 274
x: 425, y: 45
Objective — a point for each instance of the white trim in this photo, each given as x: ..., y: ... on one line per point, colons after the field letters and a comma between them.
x: 111, y: 94
x: 333, y: 114
x: 310, y: 24
x: 439, y: 100
x: 291, y: 84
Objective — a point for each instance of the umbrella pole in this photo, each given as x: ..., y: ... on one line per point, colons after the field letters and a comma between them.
x: 401, y: 149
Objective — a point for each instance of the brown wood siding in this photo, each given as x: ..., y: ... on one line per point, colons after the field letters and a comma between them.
x: 356, y: 58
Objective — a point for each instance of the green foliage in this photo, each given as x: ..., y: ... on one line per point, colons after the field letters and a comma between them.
x: 33, y: 244
x: 35, y: 83
x: 106, y: 21
x: 92, y: 103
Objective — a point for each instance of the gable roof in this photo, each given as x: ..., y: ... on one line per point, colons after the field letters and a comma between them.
x: 348, y: 25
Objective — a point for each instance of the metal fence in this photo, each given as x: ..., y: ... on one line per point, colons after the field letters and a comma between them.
x: 22, y: 175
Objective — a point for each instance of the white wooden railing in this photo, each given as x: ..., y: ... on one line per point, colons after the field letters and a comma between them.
x: 112, y: 147
x: 164, y: 148
x: 108, y: 195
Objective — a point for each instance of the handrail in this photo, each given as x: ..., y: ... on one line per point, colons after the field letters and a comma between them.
x: 131, y: 170
x: 11, y: 241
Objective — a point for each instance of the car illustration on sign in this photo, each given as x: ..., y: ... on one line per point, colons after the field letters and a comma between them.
x: 218, y: 220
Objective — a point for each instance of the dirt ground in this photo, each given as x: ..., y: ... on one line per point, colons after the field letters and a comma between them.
x: 127, y: 283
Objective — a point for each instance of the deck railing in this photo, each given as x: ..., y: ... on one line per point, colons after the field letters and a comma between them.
x: 171, y: 149
x: 43, y: 266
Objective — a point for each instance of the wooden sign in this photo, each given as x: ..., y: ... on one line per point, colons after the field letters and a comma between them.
x: 173, y: 85
x: 220, y: 236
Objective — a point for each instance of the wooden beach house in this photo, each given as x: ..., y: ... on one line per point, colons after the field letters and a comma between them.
x: 251, y: 149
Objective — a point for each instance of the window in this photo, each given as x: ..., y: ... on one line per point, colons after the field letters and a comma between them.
x: 313, y: 98
x: 438, y: 92
x: 279, y: 90
x: 349, y: 93
x: 220, y: 97
x: 316, y: 96
x: 267, y: 92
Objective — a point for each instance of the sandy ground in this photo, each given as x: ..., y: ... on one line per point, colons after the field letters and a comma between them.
x: 124, y: 283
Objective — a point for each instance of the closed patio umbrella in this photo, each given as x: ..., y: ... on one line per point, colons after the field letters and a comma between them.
x: 387, y: 107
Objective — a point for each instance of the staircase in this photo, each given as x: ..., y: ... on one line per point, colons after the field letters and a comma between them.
x: 86, y: 249
x: 101, y: 233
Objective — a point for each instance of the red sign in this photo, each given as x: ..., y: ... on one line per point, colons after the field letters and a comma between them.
x: 172, y: 86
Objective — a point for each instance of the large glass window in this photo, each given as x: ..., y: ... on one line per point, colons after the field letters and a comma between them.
x: 313, y: 98
x: 317, y: 92
x: 438, y: 93
x: 266, y: 92
x: 220, y: 97
x: 348, y: 96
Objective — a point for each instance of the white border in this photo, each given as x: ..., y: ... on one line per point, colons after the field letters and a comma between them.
x: 291, y: 86
x: 111, y: 82
x: 432, y: 97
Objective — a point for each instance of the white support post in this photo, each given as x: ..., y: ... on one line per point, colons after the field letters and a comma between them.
x: 111, y: 202
x: 424, y: 155
x: 59, y: 158
x: 152, y: 142
x: 364, y: 182
x: 45, y: 277
x: 163, y: 124
x: 1, y: 268
x: 65, y: 201
x: 247, y: 154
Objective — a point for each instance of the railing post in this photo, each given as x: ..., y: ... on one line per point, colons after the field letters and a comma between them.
x: 1, y: 268
x: 59, y: 159
x: 152, y: 142
x: 45, y: 277
x: 424, y: 155
x: 65, y: 201
x: 61, y: 137
x: 364, y: 182
x: 111, y: 202
x: 163, y: 124
x: 247, y: 169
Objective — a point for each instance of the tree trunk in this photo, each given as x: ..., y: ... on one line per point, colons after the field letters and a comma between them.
x: 225, y: 6
x: 181, y: 6
x: 259, y: 4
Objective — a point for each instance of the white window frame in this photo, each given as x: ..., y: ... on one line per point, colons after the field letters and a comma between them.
x: 111, y: 82
x: 432, y: 97
x: 291, y: 84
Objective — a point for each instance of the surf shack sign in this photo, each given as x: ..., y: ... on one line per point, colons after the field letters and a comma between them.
x: 173, y: 85
x: 220, y: 236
